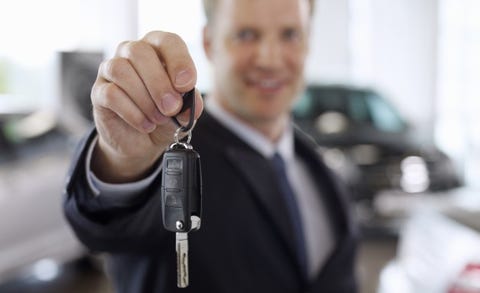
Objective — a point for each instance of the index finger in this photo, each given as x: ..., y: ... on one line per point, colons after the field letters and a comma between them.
x: 173, y: 53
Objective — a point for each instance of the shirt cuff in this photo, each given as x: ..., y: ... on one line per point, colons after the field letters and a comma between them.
x: 121, y: 193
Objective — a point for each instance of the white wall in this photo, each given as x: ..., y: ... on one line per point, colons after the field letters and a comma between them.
x: 404, y: 55
x: 329, y: 58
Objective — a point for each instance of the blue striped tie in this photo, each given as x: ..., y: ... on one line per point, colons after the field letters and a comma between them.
x: 294, y: 212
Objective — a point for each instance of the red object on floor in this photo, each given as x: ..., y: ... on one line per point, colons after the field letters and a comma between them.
x: 468, y: 281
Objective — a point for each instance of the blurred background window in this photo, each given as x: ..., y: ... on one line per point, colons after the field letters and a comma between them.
x: 34, y: 32
x: 458, y: 104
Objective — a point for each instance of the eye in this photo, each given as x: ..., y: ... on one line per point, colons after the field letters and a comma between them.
x: 246, y: 35
x: 291, y: 34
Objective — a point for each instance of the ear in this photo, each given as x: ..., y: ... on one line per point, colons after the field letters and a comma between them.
x: 207, y: 42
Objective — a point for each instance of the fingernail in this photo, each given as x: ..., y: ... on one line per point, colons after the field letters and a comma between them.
x: 148, y: 126
x: 170, y: 103
x: 182, y: 78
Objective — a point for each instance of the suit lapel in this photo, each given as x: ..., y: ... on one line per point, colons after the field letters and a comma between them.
x: 259, y: 176
x: 334, y: 194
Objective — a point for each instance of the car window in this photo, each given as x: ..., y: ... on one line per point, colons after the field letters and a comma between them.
x: 329, y: 101
x: 315, y: 102
x: 384, y: 116
x: 358, y: 108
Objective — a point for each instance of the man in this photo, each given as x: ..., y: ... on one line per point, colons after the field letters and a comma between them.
x: 251, y: 239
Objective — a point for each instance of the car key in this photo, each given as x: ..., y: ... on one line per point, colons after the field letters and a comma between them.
x: 181, y: 193
x: 181, y: 248
x: 181, y: 200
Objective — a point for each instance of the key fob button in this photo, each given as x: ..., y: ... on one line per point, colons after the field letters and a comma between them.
x: 171, y: 201
x: 173, y: 181
x: 173, y: 164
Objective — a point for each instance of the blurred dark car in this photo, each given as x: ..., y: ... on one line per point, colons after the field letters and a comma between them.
x: 367, y: 142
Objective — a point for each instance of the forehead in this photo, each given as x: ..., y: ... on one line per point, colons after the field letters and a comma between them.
x: 263, y: 12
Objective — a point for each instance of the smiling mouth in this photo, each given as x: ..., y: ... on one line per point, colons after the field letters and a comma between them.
x: 266, y: 85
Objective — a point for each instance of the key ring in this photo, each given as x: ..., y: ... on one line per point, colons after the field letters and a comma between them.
x: 176, y: 136
x: 188, y: 102
x: 184, y: 144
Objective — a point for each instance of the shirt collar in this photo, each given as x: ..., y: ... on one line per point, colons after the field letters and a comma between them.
x: 250, y: 135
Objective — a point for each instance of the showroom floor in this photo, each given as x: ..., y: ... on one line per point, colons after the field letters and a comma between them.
x: 373, y: 255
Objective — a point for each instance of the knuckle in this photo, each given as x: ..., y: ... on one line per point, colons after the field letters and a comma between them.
x: 136, y: 119
x: 173, y: 37
x: 116, y: 68
x: 94, y: 92
x: 122, y: 45
x: 174, y: 40
x: 106, y: 94
x: 153, y: 35
x: 135, y: 49
x: 164, y: 39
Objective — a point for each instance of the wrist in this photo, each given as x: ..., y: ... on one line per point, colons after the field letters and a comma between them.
x: 113, y: 167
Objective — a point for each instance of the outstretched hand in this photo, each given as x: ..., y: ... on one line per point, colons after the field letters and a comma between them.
x: 134, y: 97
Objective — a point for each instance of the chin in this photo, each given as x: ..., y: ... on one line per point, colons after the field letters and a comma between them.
x: 267, y: 114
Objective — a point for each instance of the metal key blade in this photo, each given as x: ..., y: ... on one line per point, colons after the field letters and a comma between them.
x: 181, y: 243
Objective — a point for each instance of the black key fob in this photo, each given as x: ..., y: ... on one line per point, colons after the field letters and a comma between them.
x: 181, y: 188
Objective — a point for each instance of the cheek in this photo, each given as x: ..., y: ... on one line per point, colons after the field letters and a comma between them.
x: 296, y: 61
x: 238, y: 62
x: 228, y: 65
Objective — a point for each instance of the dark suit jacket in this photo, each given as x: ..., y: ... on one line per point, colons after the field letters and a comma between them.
x: 245, y: 242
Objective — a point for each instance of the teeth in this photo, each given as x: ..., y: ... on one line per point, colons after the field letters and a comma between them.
x: 268, y: 83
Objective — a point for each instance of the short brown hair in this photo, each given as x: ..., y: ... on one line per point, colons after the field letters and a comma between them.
x: 210, y: 5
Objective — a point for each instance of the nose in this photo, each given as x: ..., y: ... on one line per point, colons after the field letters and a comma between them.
x: 269, y: 54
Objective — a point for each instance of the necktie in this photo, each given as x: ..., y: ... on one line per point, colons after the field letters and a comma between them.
x: 294, y: 212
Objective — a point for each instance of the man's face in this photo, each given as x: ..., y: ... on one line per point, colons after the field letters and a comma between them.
x: 257, y: 49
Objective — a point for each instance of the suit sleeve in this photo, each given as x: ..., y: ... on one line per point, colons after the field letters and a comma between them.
x: 105, y: 227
